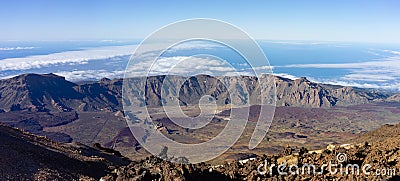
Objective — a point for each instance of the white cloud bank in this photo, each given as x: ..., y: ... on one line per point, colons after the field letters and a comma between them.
x: 181, y: 65
x: 16, y: 48
x: 81, y: 75
x: 75, y: 57
x: 383, y: 70
x: 83, y: 56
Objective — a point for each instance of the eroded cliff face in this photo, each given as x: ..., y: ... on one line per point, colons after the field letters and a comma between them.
x: 49, y: 92
x: 301, y: 92
x: 246, y: 91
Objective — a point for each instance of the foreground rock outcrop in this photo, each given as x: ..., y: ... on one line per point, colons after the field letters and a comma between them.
x: 379, y: 160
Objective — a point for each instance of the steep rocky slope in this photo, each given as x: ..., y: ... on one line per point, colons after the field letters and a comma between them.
x: 383, y: 133
x: 25, y: 156
x: 394, y: 98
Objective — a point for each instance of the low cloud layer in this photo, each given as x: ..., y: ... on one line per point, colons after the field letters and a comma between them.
x: 81, y: 56
x: 75, y: 57
x: 383, y: 70
x: 81, y: 75
x: 16, y: 48
x: 181, y: 65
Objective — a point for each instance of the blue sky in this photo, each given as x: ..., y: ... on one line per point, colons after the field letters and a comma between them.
x: 356, y: 21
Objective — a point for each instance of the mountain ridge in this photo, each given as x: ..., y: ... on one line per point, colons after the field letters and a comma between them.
x: 50, y: 92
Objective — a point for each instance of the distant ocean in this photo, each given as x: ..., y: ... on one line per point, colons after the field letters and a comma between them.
x: 351, y: 64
